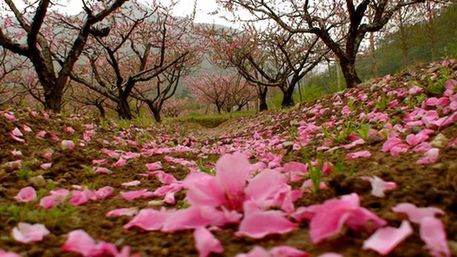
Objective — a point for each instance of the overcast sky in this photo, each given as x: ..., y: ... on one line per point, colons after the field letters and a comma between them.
x: 204, y: 8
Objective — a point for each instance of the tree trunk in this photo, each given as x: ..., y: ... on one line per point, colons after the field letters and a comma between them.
x: 123, y: 109
x: 53, y: 98
x: 287, y: 99
x: 157, y: 116
x: 262, y: 94
x: 350, y: 74
x: 155, y: 112
x: 102, y: 111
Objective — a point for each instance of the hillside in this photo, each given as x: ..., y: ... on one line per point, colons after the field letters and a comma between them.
x: 320, y: 178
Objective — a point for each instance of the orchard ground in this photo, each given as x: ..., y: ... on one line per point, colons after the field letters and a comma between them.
x: 400, y: 128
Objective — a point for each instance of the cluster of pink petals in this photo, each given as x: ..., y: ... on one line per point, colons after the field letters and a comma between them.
x: 395, y: 146
x: 26, y: 194
x: 80, y: 197
x: 432, y: 230
x: 26, y: 233
x: 76, y: 197
x: 359, y: 154
x: 80, y: 242
x: 278, y: 251
x: 378, y: 186
x: 55, y: 198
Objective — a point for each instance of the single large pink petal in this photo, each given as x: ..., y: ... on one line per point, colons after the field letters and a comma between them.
x: 378, y: 186
x: 148, y: 219
x: 262, y: 223
x: 232, y: 171
x: 384, y: 240
x: 416, y: 214
x: 80, y: 242
x: 26, y: 233
x: 265, y: 187
x: 206, y: 243
x: 203, y: 189
x: 26, y: 194
x: 433, y: 233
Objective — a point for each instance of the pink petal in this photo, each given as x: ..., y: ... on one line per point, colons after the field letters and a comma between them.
x: 256, y: 252
x: 378, y: 186
x: 102, y: 170
x: 26, y: 194
x: 262, y: 223
x: 148, y: 219
x: 9, y: 116
x: 329, y: 217
x: 26, y: 233
x: 232, y: 170
x: 8, y: 254
x: 264, y: 187
x: 433, y: 233
x: 46, y: 166
x: 154, y: 166
x: 163, y: 177
x: 431, y: 156
x: 203, y: 189
x: 287, y: 251
x: 384, y: 240
x: 80, y: 242
x: 189, y: 218
x: 360, y: 154
x: 296, y: 170
x: 121, y: 162
x: 206, y: 243
x: 416, y: 214
x: 122, y: 212
x: 131, y: 183
x: 67, y: 145
x: 69, y: 130
x: 132, y: 195
x: 103, y: 193
x: 17, y: 132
